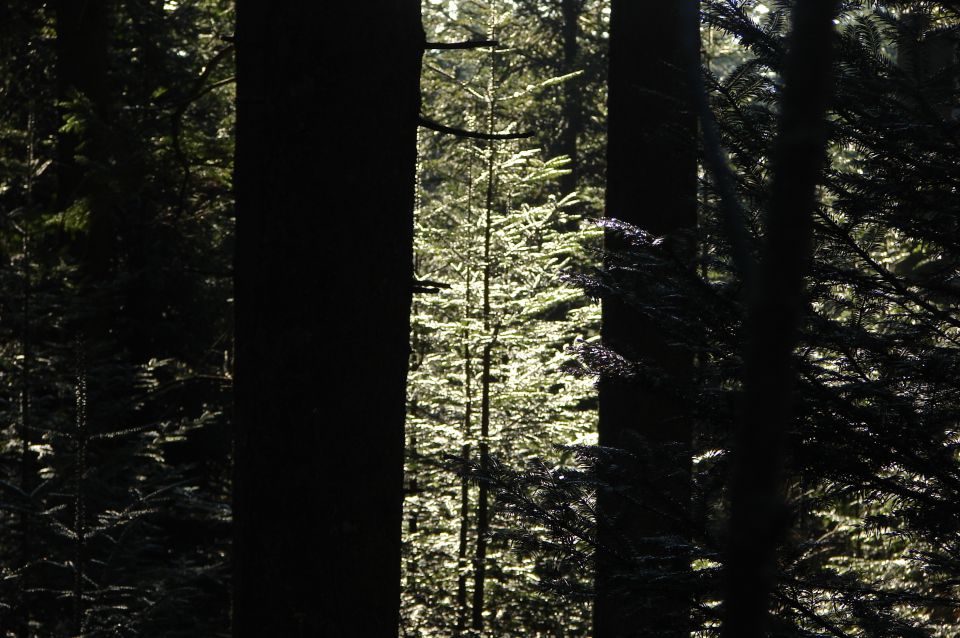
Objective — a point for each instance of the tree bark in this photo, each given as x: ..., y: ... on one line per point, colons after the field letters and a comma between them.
x: 328, y: 100
x: 758, y: 513
x: 652, y: 184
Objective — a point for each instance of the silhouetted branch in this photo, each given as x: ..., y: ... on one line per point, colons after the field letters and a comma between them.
x: 426, y: 122
x: 469, y: 44
x: 421, y: 286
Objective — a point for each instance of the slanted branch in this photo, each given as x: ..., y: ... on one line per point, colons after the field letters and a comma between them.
x: 468, y: 44
x: 426, y: 122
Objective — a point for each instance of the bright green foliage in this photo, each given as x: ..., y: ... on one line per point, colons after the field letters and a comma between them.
x: 492, y: 232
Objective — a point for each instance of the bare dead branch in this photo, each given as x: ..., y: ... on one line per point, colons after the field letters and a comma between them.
x: 426, y: 122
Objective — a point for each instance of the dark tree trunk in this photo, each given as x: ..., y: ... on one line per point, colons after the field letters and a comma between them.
x: 328, y: 99
x: 652, y: 184
x: 758, y: 514
x: 462, y: 546
x: 483, y: 497
x: 462, y: 542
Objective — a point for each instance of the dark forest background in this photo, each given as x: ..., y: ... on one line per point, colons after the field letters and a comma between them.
x: 546, y: 318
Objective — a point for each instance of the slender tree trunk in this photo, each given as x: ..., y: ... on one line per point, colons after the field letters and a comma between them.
x: 572, y: 92
x: 483, y: 506
x: 328, y: 101
x: 652, y: 184
x: 462, y: 548
x: 758, y: 513
x: 27, y: 459
x: 80, y: 497
x: 413, y: 487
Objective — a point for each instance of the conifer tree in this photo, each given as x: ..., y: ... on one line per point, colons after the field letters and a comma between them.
x: 91, y: 493
x: 797, y: 159
x: 870, y: 452
x: 325, y: 173
x: 491, y: 342
x: 651, y: 185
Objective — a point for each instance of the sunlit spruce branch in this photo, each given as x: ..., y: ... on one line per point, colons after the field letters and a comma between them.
x: 427, y: 123
x: 468, y: 44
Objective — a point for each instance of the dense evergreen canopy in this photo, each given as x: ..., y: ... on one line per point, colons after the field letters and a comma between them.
x: 672, y: 289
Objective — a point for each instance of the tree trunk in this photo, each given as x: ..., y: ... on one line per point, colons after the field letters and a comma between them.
x: 572, y: 92
x: 652, y: 184
x: 483, y: 506
x: 462, y: 542
x: 462, y: 546
x: 758, y: 513
x: 328, y: 100
x: 79, y: 496
x: 27, y: 456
